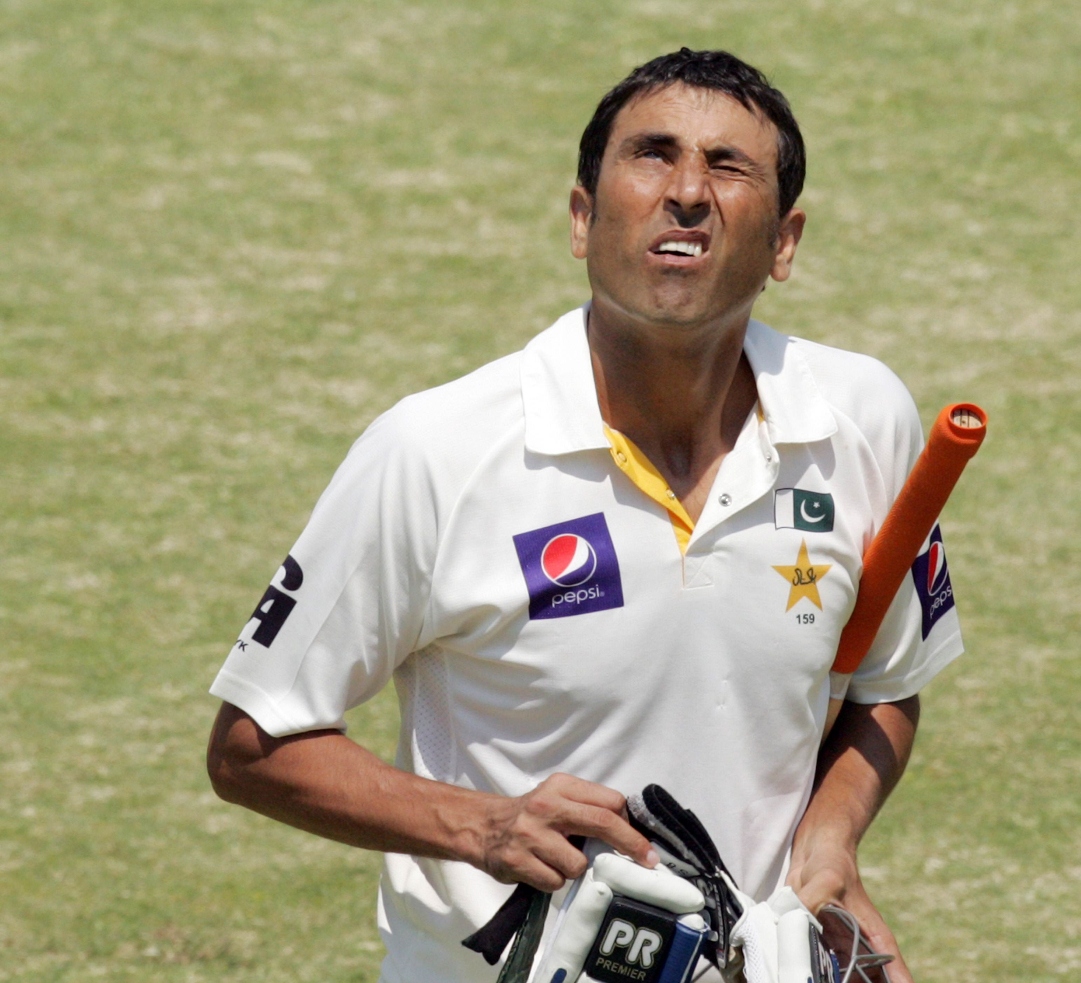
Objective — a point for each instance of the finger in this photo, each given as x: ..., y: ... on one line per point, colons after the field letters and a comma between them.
x: 530, y: 869
x: 839, y: 937
x: 824, y: 887
x: 871, y: 922
x: 603, y: 824
x: 881, y: 939
x: 877, y: 934
x: 557, y: 853
x: 589, y: 793
x: 575, y: 806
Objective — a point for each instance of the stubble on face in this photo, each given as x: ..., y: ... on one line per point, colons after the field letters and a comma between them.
x: 697, y: 167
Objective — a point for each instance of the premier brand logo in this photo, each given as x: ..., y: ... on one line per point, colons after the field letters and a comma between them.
x: 933, y: 586
x: 632, y: 944
x: 641, y: 943
x: 570, y: 568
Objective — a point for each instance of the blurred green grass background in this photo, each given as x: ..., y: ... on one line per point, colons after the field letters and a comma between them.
x: 232, y: 233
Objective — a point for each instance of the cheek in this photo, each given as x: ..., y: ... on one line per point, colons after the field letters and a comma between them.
x: 614, y: 234
x: 753, y: 215
x: 629, y: 201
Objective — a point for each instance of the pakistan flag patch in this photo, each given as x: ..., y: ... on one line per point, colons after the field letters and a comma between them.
x: 808, y: 511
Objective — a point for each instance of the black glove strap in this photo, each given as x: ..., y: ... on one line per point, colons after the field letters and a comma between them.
x: 491, y: 939
x: 519, y: 963
x: 521, y: 914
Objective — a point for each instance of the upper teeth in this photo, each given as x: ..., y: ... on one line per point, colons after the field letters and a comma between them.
x: 678, y: 246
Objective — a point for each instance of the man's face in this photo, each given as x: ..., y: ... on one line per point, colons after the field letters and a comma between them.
x: 684, y: 229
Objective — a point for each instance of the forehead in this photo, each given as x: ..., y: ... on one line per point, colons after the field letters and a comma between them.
x: 699, y: 119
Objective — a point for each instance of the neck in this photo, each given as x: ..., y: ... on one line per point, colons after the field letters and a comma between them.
x: 681, y: 393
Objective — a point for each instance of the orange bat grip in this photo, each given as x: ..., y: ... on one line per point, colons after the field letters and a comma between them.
x: 950, y: 445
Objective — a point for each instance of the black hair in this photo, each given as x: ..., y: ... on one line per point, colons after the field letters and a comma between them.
x: 716, y: 70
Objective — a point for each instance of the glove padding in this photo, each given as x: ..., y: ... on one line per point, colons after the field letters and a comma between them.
x: 778, y: 939
x: 686, y: 848
x: 773, y: 941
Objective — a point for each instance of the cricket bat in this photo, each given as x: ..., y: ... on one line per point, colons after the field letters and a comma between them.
x: 954, y: 438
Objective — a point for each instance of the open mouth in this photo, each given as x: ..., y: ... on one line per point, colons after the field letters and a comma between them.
x: 692, y: 245
x: 680, y: 248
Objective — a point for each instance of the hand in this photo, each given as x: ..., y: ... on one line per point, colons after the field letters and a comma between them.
x: 525, y: 839
x: 826, y: 873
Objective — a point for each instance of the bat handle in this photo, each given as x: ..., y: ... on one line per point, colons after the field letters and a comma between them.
x: 832, y: 712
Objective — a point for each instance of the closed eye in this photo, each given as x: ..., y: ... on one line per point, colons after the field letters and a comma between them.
x: 731, y: 160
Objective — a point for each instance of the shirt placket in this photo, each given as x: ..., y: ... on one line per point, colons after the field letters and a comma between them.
x: 747, y: 473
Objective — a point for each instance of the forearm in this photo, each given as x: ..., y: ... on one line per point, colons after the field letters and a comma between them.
x: 327, y: 784
x: 859, y: 765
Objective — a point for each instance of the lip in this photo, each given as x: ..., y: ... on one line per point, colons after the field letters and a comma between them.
x: 680, y: 235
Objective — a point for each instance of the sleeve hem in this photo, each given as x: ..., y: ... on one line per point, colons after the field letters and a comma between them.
x: 257, y: 704
x: 875, y: 692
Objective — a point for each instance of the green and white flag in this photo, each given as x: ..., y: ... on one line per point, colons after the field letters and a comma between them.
x: 797, y: 508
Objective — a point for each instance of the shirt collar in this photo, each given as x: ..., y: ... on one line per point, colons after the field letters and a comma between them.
x: 559, y: 393
x: 794, y: 410
x: 558, y: 390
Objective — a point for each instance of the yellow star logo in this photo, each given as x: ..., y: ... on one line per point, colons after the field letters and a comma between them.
x: 804, y: 578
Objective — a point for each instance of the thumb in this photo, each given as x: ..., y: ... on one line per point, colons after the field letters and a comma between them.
x: 824, y: 887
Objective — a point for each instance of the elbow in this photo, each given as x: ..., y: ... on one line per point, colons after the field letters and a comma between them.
x: 228, y: 754
x: 224, y: 778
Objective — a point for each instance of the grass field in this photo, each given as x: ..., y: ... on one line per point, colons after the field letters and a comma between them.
x: 232, y: 233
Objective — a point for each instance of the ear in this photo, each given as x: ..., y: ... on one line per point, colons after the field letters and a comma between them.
x: 788, y: 237
x: 581, y: 220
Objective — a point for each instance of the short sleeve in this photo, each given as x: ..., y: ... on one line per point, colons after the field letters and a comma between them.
x: 348, y: 604
x: 915, y: 642
x: 920, y: 634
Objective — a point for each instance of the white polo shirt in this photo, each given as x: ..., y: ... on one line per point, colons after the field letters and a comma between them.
x: 483, y: 545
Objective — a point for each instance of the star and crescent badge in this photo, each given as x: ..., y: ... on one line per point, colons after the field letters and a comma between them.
x: 803, y: 578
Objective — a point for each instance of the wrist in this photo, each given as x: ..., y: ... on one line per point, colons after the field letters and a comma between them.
x: 472, y: 823
x: 835, y: 837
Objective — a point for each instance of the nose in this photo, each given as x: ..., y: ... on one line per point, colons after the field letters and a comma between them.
x: 687, y: 199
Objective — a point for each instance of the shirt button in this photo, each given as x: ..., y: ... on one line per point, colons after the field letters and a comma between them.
x: 621, y: 457
x: 670, y: 493
x: 725, y: 499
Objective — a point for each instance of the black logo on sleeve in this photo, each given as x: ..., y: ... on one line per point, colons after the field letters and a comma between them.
x: 276, y: 605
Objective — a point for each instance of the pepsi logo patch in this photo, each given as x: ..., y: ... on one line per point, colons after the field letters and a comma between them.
x: 570, y: 568
x: 932, y: 577
x: 568, y: 560
x: 936, y: 568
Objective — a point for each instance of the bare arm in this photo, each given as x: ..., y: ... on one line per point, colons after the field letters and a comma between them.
x: 858, y: 766
x: 327, y: 784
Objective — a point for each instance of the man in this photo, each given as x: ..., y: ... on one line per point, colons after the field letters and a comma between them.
x: 623, y: 555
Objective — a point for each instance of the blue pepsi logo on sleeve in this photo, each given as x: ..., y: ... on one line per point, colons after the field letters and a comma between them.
x: 570, y: 568
x: 933, y: 586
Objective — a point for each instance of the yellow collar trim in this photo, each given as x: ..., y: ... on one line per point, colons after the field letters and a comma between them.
x: 636, y: 466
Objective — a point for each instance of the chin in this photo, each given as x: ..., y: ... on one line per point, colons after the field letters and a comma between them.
x: 679, y: 310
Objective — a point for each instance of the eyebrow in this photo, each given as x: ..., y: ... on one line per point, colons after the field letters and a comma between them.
x: 714, y: 155
x: 717, y: 155
x: 649, y: 141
